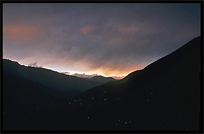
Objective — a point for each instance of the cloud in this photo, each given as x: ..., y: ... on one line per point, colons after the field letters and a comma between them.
x: 88, y: 29
x: 105, y: 38
x: 21, y: 33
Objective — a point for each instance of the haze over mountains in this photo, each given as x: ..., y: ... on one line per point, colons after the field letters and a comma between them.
x: 165, y: 95
x: 90, y: 76
x: 81, y: 75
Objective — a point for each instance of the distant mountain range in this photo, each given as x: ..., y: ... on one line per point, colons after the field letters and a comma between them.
x: 165, y: 95
x: 90, y: 76
x: 95, y: 77
x: 102, y: 79
x: 66, y: 83
x: 81, y: 75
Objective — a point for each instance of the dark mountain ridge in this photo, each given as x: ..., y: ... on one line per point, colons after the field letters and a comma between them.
x: 165, y: 95
x: 49, y: 78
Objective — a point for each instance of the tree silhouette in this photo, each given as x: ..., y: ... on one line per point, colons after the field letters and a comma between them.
x: 34, y: 64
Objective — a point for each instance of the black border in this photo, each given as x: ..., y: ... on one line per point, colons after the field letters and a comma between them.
x: 201, y: 71
x: 107, y: 1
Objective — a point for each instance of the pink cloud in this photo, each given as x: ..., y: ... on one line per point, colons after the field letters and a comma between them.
x: 128, y: 29
x: 88, y: 29
x: 21, y: 33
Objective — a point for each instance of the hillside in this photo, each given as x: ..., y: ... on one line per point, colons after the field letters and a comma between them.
x: 165, y: 95
x: 24, y: 100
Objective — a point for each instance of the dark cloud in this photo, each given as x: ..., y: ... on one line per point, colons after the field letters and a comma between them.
x: 105, y: 38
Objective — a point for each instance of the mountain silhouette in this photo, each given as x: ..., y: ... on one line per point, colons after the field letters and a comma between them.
x: 165, y: 95
x: 102, y: 79
x: 71, y: 84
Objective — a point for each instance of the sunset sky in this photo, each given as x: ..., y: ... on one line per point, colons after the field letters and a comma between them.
x: 111, y: 39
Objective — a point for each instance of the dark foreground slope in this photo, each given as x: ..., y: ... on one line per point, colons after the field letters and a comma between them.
x: 24, y: 100
x: 163, y: 96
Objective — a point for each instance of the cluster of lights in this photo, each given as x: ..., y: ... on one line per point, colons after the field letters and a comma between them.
x: 151, y: 94
x: 125, y: 122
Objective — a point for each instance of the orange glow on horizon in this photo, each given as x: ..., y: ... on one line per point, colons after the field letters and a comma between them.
x: 105, y: 70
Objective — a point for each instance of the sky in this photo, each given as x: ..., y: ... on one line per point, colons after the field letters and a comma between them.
x: 110, y: 39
